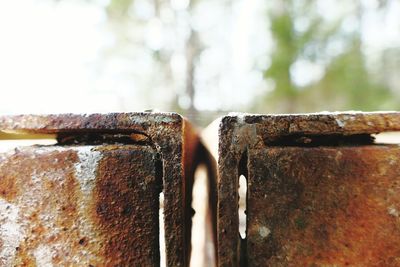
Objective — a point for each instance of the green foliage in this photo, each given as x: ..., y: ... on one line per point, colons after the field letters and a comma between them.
x: 347, y: 75
x: 346, y: 83
x: 284, y: 55
x: 119, y: 8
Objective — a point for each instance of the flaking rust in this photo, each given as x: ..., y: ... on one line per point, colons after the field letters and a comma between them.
x: 93, y: 199
x: 320, y: 192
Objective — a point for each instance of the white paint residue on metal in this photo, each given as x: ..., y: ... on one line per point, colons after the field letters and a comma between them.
x: 85, y: 173
x: 340, y: 123
x: 264, y: 231
x: 393, y: 211
x: 11, y: 232
x: 43, y: 256
x: 85, y: 168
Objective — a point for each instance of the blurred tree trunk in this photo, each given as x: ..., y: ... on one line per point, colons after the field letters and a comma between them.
x: 192, y: 52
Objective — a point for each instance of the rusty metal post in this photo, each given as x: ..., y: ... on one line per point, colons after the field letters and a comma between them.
x: 93, y: 198
x: 320, y: 191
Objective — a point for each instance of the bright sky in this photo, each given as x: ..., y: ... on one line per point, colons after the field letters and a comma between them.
x: 50, y: 55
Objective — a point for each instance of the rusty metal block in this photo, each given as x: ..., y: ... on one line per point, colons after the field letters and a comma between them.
x: 320, y: 191
x: 93, y: 198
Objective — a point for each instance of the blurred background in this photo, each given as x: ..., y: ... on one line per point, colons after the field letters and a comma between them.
x: 201, y: 58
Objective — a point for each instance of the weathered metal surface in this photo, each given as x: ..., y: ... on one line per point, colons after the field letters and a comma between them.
x: 320, y: 193
x: 324, y: 206
x: 79, y: 206
x: 167, y: 134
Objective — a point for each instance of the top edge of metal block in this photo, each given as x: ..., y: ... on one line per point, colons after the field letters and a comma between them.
x: 113, y: 122
x: 324, y: 123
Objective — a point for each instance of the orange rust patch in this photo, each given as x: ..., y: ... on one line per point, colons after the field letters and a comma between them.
x: 55, y: 171
x: 64, y: 222
x: 47, y: 195
x: 8, y: 188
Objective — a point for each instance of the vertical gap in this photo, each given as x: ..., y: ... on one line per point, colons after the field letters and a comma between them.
x: 162, y: 231
x: 161, y: 228
x: 242, y: 192
x: 202, y: 232
x: 242, y: 207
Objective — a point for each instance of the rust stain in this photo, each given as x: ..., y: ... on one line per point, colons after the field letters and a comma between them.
x: 324, y: 212
x: 320, y: 192
x: 47, y: 202
x: 167, y: 133
x: 80, y: 206
x: 126, y: 206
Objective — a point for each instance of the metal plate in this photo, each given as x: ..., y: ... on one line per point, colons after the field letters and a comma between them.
x: 255, y: 146
x: 324, y: 206
x: 167, y: 134
x: 79, y: 206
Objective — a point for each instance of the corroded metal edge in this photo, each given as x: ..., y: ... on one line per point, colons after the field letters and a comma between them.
x: 239, y: 132
x: 229, y: 154
x: 324, y: 123
x: 61, y: 123
x: 169, y: 133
